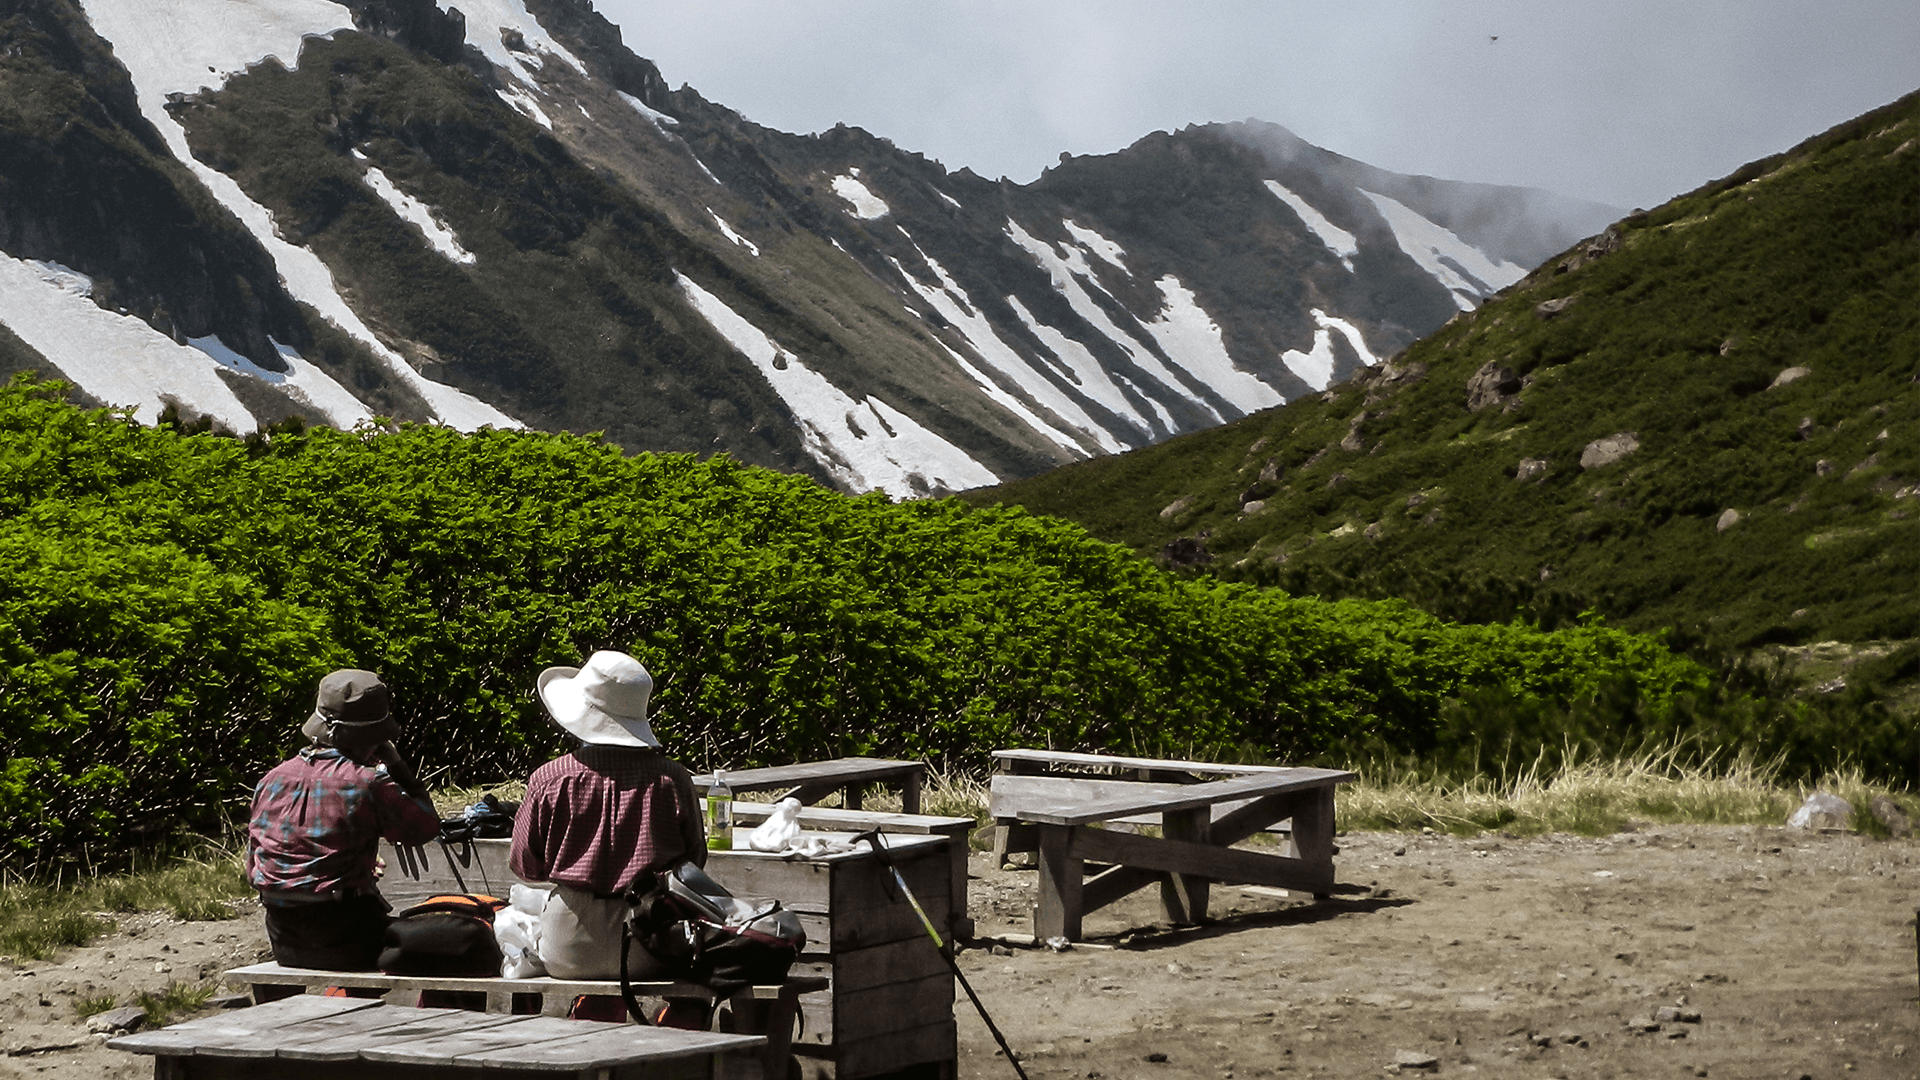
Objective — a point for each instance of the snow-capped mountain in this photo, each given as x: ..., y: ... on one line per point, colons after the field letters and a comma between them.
x: 491, y: 212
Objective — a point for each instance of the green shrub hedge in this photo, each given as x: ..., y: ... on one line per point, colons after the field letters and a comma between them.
x: 168, y: 600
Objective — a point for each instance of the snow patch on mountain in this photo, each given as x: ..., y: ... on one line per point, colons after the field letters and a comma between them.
x: 1342, y: 243
x: 118, y: 359
x: 1068, y: 273
x: 187, y: 47
x: 419, y: 214
x: 726, y: 230
x: 1084, y: 368
x: 154, y: 43
x: 488, y: 24
x: 302, y: 381
x: 1098, y: 246
x: 864, y: 445
x: 1191, y: 339
x: 948, y: 199
x: 661, y: 121
x: 1315, y: 367
x: 1465, y: 270
x: 522, y: 102
x: 866, y: 205
x: 953, y: 303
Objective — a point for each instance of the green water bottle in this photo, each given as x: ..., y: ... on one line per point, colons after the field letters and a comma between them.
x: 719, y: 814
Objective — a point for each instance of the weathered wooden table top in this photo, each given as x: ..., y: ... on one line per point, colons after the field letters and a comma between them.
x: 314, y: 1028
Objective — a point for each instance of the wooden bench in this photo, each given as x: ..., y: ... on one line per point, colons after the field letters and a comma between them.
x: 763, y: 1010
x: 811, y: 781
x: 312, y: 1037
x: 1056, y: 803
x: 890, y: 1002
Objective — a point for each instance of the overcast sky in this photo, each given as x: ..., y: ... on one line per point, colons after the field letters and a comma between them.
x: 1627, y: 102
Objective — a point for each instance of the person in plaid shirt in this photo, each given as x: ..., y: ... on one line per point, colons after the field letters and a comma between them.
x: 594, y: 821
x: 314, y: 834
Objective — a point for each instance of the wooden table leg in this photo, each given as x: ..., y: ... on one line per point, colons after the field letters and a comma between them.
x: 1313, y: 835
x: 850, y: 797
x: 1184, y: 896
x: 910, y: 795
x: 1061, y: 879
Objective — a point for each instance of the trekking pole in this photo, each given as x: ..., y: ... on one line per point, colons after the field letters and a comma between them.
x: 885, y: 854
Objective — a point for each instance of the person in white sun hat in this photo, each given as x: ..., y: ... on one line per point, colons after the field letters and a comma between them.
x: 594, y: 821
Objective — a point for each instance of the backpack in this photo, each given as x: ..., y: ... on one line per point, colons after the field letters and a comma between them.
x: 450, y: 934
x: 707, y: 935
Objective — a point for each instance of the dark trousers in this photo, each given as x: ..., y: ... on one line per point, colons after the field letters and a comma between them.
x: 339, y: 935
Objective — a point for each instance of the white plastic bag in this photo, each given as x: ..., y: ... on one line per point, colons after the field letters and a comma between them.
x: 1822, y: 811
x: 780, y: 828
x: 517, y: 926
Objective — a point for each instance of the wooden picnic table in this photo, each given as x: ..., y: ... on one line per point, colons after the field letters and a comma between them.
x: 811, y: 781
x: 1057, y: 802
x: 310, y: 1037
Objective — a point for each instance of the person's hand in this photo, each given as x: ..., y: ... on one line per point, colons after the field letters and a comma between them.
x: 397, y: 767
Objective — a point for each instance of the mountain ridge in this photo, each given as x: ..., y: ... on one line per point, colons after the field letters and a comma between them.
x: 1706, y: 419
x: 522, y: 224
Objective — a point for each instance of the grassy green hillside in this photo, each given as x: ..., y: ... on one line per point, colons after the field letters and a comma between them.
x: 1757, y: 339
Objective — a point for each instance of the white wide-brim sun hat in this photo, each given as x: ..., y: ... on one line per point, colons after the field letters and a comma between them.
x: 603, y: 703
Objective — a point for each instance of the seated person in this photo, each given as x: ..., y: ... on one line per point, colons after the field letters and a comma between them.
x: 615, y: 811
x: 314, y: 835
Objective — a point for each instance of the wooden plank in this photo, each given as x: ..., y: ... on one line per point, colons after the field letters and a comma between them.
x: 838, y: 772
x: 800, y: 884
x: 883, y: 965
x: 897, y: 1050
x: 1204, y: 860
x: 339, y: 1037
x: 1009, y: 794
x: 879, y: 1010
x: 1216, y: 791
x: 1062, y: 757
x: 830, y: 819
x: 273, y: 974
x: 1183, y: 896
x: 1313, y: 836
x: 442, y: 1049
x: 1115, y: 883
x: 1058, y: 910
x: 609, y: 1045
x: 238, y: 1024
x: 488, y: 872
x: 1257, y: 815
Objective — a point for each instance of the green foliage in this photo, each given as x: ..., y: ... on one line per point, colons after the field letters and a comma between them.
x: 170, y: 599
x: 1678, y: 334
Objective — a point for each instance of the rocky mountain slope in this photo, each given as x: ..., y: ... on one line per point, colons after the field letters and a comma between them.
x: 495, y: 213
x: 1706, y: 418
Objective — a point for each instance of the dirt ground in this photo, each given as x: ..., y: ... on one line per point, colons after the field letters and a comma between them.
x: 1496, y: 957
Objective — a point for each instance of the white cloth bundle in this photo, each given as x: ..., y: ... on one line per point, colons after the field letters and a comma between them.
x: 517, y: 926
x: 780, y: 828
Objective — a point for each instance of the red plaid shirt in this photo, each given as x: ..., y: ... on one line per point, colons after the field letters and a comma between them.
x: 602, y: 816
x: 318, y: 819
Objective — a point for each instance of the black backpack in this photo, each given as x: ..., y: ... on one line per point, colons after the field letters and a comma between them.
x: 450, y: 934
x: 707, y: 935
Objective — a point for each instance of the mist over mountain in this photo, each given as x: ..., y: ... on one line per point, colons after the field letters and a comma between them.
x: 497, y: 213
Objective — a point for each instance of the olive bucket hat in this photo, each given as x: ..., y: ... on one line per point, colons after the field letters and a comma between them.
x: 603, y: 703
x: 353, y: 708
